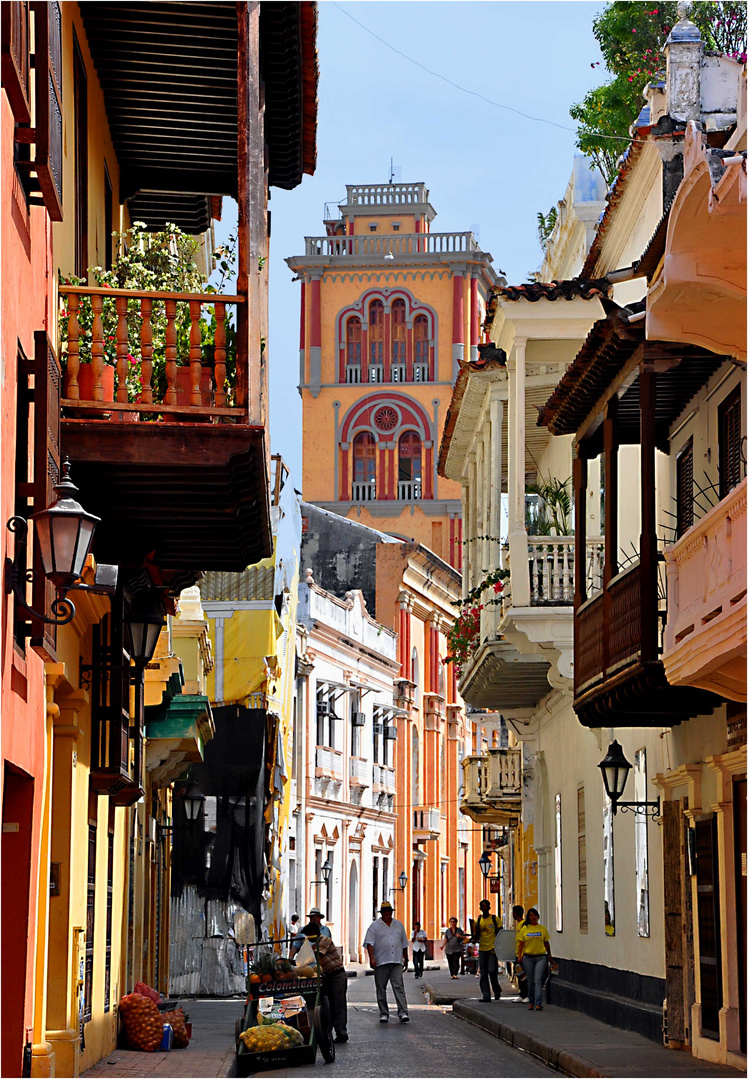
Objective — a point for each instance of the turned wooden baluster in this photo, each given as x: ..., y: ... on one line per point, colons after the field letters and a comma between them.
x: 74, y: 335
x: 97, y: 347
x: 196, y: 353
x: 219, y: 355
x: 170, y: 398
x: 122, y: 349
x: 146, y: 351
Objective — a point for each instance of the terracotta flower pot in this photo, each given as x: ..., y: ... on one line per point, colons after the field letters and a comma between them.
x: 184, y: 385
x: 86, y: 382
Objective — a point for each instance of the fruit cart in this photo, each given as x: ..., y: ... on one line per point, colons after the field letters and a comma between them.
x: 287, y: 1015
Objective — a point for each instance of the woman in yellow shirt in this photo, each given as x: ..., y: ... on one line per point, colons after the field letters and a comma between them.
x: 534, y: 953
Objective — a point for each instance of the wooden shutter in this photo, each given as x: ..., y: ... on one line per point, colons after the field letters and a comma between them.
x: 582, y: 861
x: 48, y: 101
x: 47, y: 388
x: 685, y: 489
x: 110, y: 705
x: 711, y: 990
x: 14, y: 28
x: 729, y: 442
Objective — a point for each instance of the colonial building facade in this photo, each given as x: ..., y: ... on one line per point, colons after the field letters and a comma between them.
x: 388, y: 310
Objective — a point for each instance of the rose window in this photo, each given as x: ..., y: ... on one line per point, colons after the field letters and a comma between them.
x: 386, y: 418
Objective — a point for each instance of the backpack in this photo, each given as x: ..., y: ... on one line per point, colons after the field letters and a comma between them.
x: 497, y: 927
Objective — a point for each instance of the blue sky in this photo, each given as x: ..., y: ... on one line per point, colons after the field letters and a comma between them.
x: 485, y: 167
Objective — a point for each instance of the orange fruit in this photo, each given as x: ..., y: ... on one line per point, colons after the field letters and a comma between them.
x: 255, y: 978
x: 266, y: 978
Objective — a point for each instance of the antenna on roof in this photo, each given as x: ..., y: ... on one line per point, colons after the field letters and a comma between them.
x: 395, y: 172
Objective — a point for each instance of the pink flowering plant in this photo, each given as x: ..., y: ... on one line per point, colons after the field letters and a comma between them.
x: 631, y: 35
x: 154, y: 261
x: 464, y: 637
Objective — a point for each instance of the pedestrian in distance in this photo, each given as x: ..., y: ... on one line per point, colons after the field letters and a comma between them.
x: 418, y: 949
x: 486, y: 928
x: 522, y: 982
x: 534, y: 954
x: 454, y: 937
x: 314, y: 928
x: 387, y: 945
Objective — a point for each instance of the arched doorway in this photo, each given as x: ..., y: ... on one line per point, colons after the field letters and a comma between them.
x: 353, y: 914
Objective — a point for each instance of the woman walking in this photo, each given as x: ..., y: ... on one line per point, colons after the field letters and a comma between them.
x: 534, y: 954
x: 418, y: 949
x: 454, y: 937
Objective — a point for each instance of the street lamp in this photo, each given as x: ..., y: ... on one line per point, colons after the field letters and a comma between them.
x: 64, y: 532
x: 615, y: 769
x: 402, y: 882
x: 326, y: 870
x: 192, y: 801
x: 145, y: 626
x: 485, y: 863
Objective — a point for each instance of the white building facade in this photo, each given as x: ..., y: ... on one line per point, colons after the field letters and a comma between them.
x: 343, y: 775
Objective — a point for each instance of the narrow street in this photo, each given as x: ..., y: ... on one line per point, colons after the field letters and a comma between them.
x: 435, y: 1043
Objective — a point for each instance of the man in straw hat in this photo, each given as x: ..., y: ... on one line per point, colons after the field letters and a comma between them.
x: 387, y: 945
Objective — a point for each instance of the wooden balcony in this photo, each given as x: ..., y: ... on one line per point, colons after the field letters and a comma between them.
x: 174, y: 462
x: 705, y: 640
x: 619, y: 676
x: 492, y: 786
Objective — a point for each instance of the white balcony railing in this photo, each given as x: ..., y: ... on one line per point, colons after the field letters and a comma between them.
x: 329, y: 762
x: 421, y: 372
x: 391, y: 244
x: 353, y: 373
x: 376, y: 373
x: 384, y: 778
x: 427, y: 821
x: 409, y: 490
x: 551, y: 566
x: 359, y: 771
x: 397, y: 372
x: 385, y: 194
x: 363, y: 492
x: 475, y: 778
x: 505, y: 773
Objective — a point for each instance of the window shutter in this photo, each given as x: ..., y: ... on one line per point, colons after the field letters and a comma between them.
x: 15, y: 58
x: 729, y: 440
x: 48, y: 99
x: 685, y: 490
x: 47, y: 386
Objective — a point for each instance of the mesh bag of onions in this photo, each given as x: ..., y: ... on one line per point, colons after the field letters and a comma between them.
x: 144, y: 1024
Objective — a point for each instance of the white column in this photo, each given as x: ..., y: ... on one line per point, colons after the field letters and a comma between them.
x: 471, y: 552
x: 494, y: 494
x: 516, y: 477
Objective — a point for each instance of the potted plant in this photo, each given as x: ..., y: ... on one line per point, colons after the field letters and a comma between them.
x: 152, y: 261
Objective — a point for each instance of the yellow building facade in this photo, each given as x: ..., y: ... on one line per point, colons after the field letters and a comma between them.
x: 388, y: 310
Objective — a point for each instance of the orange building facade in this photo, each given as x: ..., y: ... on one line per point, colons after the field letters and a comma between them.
x: 388, y: 310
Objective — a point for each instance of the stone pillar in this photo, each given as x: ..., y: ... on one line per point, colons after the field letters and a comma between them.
x: 315, y: 344
x: 427, y: 489
x: 474, y: 318
x: 302, y: 335
x: 516, y: 475
x: 458, y: 322
x: 683, y: 51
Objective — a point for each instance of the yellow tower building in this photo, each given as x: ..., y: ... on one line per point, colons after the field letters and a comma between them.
x: 388, y: 310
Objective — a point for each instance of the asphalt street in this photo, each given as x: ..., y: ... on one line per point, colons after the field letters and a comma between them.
x: 434, y: 1043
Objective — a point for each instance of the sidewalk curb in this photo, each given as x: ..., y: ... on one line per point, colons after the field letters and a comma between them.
x: 562, y: 1060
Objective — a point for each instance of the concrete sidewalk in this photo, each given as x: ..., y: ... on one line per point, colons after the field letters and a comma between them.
x: 570, y: 1041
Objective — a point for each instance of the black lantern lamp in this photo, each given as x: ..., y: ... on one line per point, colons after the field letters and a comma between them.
x: 144, y: 626
x: 615, y: 770
x: 485, y: 863
x: 64, y: 532
x: 326, y: 870
x: 193, y: 800
x: 403, y: 880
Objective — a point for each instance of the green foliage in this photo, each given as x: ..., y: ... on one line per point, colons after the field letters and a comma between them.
x: 555, y: 511
x: 546, y: 223
x: 159, y: 262
x: 631, y: 35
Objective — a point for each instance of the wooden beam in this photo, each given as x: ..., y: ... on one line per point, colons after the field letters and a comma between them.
x: 611, y: 509
x: 648, y: 537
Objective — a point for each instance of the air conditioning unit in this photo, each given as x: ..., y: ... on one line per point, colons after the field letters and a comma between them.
x: 378, y: 729
x: 358, y: 719
x: 323, y: 708
x: 391, y: 733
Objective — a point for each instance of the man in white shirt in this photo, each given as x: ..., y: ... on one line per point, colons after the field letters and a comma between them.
x: 387, y: 945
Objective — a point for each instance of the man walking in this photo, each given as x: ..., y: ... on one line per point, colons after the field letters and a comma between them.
x: 387, y: 945
x: 486, y: 930
x: 334, y: 979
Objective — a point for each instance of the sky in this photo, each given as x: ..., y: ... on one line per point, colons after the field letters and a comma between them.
x: 487, y: 169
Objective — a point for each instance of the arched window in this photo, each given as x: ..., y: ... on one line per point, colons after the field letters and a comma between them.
x: 414, y: 766
x: 364, y: 467
x: 353, y: 350
x: 409, y: 466
x: 376, y: 340
x: 421, y: 349
x: 398, y: 334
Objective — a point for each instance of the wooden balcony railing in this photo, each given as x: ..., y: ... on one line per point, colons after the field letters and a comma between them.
x: 609, y: 629
x: 167, y: 376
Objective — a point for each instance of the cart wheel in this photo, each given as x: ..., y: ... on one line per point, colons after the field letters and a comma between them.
x: 238, y: 1028
x: 324, y: 1030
